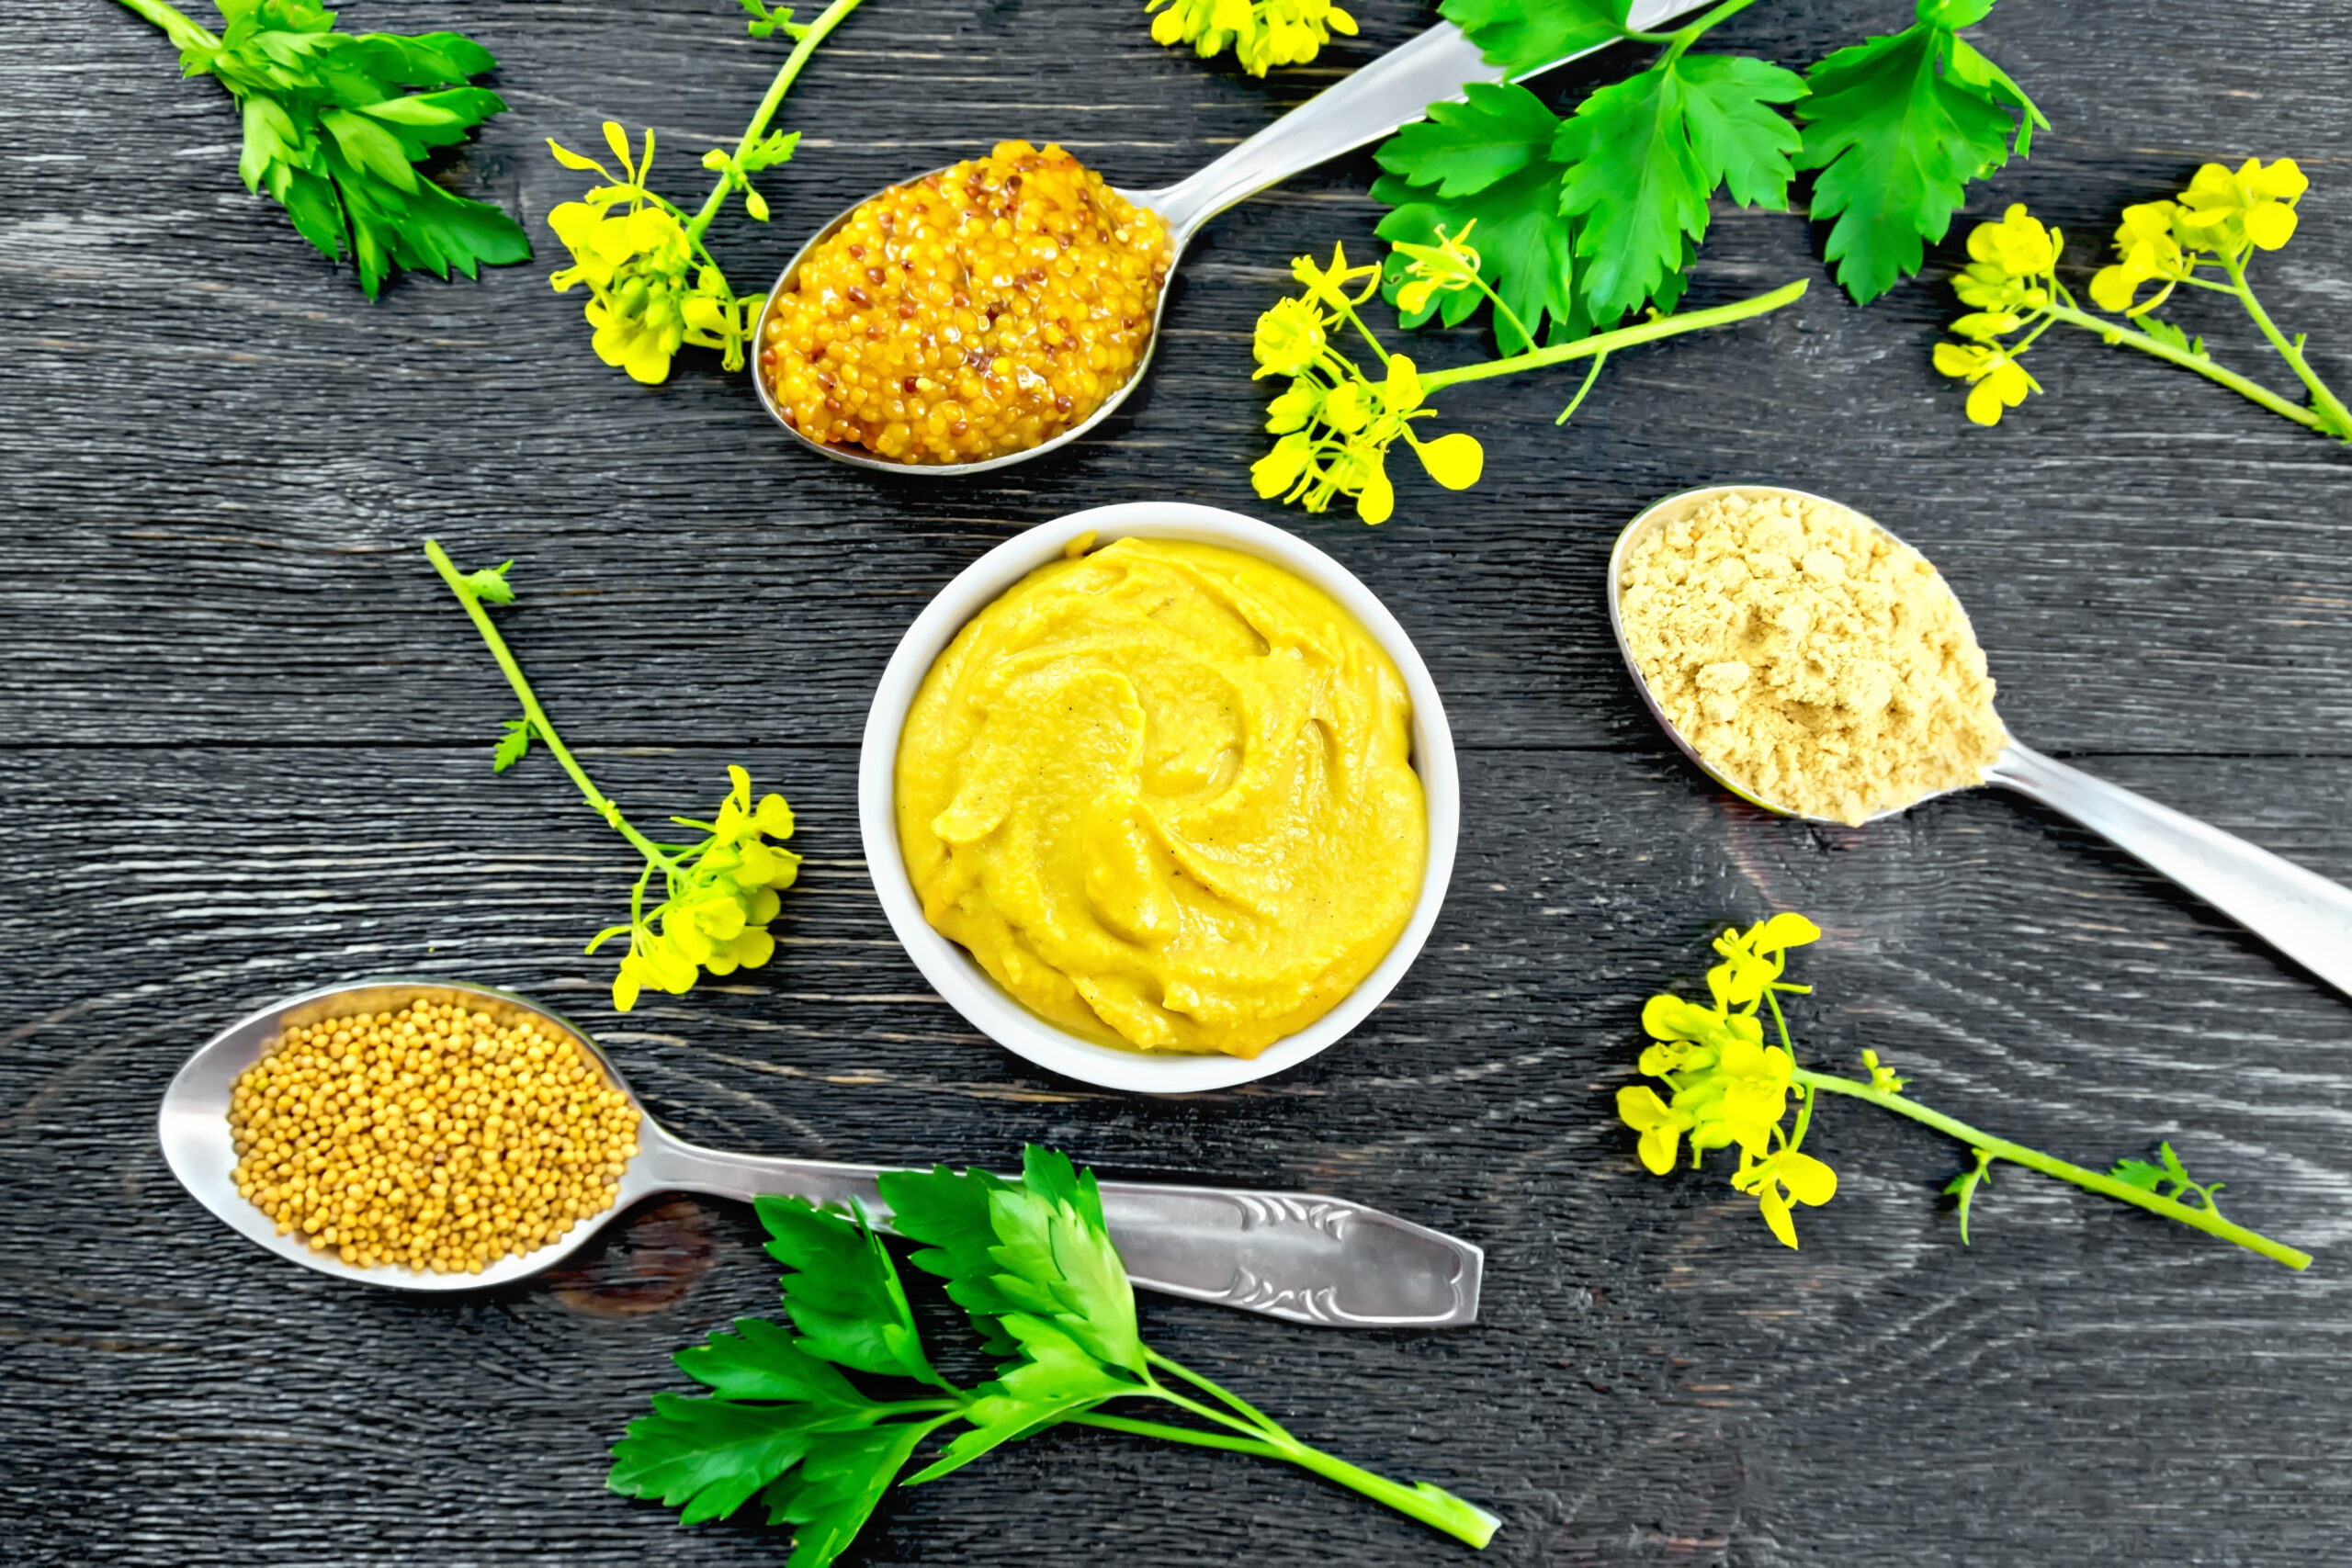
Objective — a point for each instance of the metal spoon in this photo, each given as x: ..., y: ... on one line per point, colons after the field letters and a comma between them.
x: 1288, y: 1255
x: 2300, y: 913
x: 1367, y: 105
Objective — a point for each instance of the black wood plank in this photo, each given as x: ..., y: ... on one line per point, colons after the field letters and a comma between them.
x: 243, y: 750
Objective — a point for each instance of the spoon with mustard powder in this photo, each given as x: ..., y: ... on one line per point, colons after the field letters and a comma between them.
x: 1815, y: 665
x: 989, y: 313
x: 429, y: 1135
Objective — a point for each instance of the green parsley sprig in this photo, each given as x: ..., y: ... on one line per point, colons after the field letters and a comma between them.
x: 719, y: 891
x: 653, y: 285
x: 2205, y: 240
x: 1726, y: 1087
x: 333, y: 134
x: 1588, y: 218
x: 1034, y: 1266
x: 1336, y: 420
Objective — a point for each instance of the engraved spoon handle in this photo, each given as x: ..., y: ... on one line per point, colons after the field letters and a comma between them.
x: 1288, y: 1255
x: 1364, y: 107
x: 2300, y: 912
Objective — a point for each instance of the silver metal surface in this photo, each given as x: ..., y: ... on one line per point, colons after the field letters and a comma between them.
x: 1369, y: 104
x: 2300, y: 912
x: 1289, y: 1254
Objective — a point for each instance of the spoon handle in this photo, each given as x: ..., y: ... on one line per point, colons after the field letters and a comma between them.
x: 1289, y: 1254
x: 2300, y: 912
x: 1365, y: 106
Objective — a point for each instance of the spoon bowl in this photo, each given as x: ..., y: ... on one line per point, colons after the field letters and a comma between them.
x: 1439, y: 64
x: 2303, y: 914
x: 1301, y: 1257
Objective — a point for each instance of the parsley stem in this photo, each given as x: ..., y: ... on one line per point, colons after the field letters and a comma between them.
x: 1682, y: 37
x: 2034, y: 1159
x: 2335, y: 418
x: 541, y: 725
x: 178, y: 27
x: 1265, y: 1421
x: 1161, y: 1430
x: 1624, y: 337
x: 1433, y: 1506
x: 827, y: 20
x: 2112, y: 334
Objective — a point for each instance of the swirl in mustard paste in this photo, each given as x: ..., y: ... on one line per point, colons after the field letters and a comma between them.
x: 1164, y: 794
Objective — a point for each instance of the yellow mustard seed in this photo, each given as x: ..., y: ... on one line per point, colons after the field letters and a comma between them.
x: 973, y: 313
x: 435, y: 1138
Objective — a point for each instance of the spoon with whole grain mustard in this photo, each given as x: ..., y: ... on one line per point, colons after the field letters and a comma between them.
x: 2300, y: 913
x: 1307, y: 1259
x: 1437, y: 66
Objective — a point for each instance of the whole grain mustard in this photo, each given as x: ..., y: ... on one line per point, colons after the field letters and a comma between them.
x: 973, y: 313
x: 1164, y: 795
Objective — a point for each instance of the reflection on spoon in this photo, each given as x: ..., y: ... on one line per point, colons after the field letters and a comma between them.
x: 1294, y: 1256
x: 2303, y: 914
x: 1367, y: 105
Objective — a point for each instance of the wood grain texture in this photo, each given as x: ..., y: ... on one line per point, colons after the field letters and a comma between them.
x: 243, y: 750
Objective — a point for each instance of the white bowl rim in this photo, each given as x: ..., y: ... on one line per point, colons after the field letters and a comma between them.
x: 958, y: 978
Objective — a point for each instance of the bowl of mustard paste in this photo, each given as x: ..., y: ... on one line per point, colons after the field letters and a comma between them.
x: 1160, y: 797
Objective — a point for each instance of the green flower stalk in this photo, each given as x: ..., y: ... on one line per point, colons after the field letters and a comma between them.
x: 720, y: 890
x: 653, y: 285
x: 2204, y: 240
x: 1727, y: 1087
x: 1337, y: 420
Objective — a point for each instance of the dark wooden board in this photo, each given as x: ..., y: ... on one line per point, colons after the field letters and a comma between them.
x: 243, y: 750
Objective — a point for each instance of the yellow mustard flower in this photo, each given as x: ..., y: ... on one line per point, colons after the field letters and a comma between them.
x: 1262, y: 33
x: 1335, y: 286
x: 1660, y: 1125
x: 1447, y: 268
x: 2253, y: 205
x: 2148, y: 250
x: 2018, y: 244
x: 1997, y: 381
x: 649, y: 292
x: 1777, y: 1178
x: 1289, y: 338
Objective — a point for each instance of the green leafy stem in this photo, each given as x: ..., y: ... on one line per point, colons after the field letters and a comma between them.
x: 730, y: 168
x: 2204, y: 1217
x: 719, y: 892
x: 466, y: 587
x: 1731, y: 1087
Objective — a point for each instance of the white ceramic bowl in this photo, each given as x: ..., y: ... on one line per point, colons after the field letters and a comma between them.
x: 963, y: 982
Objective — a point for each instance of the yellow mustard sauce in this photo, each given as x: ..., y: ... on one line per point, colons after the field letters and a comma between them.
x: 1164, y: 795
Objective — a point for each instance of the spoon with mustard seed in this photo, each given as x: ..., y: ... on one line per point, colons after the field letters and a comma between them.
x: 893, y: 331
x: 2300, y: 913
x: 1300, y: 1256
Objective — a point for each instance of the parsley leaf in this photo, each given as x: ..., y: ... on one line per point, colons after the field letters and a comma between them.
x: 1646, y: 154
x: 1897, y: 126
x: 836, y: 1489
x: 332, y: 133
x: 842, y: 1292
x: 1634, y: 182
x: 1738, y: 139
x: 1522, y: 35
x: 706, y: 1456
x: 1489, y: 161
